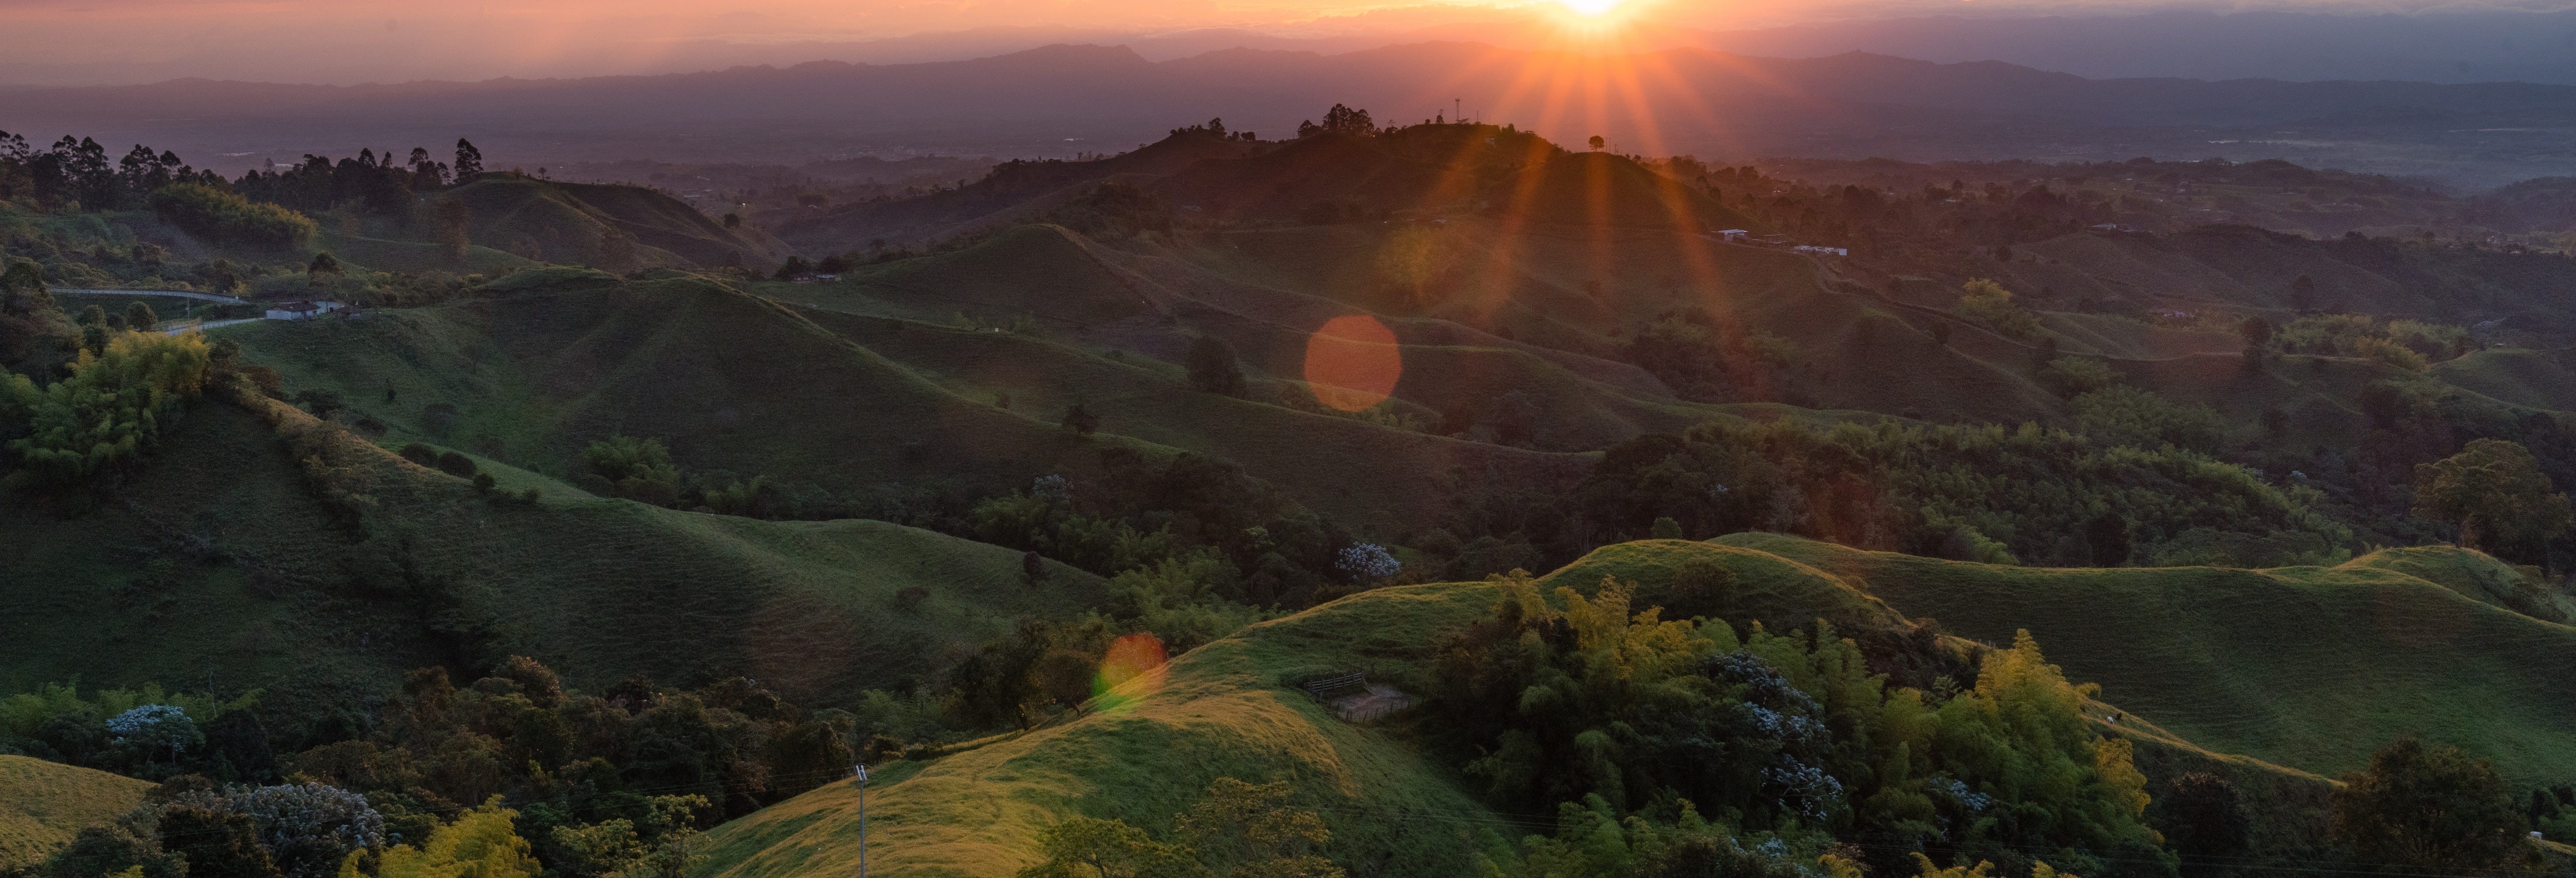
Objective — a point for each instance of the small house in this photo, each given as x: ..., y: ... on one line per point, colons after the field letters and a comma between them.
x: 1733, y: 236
x: 301, y: 310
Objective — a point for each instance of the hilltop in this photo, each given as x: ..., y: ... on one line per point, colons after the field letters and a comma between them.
x: 582, y: 222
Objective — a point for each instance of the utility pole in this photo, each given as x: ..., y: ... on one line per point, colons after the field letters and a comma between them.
x: 862, y: 780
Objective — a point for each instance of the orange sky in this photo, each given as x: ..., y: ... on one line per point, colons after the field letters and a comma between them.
x: 106, y: 41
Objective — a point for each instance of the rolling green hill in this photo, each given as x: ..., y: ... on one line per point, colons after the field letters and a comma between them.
x: 416, y: 256
x: 224, y: 560
x: 2309, y: 668
x: 43, y: 804
x: 1011, y: 191
x: 573, y: 223
x: 561, y: 359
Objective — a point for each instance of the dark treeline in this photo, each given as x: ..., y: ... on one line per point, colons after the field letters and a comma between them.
x: 377, y: 182
x: 78, y: 175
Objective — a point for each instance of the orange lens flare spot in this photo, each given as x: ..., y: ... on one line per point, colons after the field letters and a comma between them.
x: 1129, y: 658
x: 1352, y: 363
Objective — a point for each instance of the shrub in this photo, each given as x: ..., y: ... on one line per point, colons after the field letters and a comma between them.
x: 1213, y: 368
x: 2075, y: 376
x: 2123, y: 415
x: 2391, y: 353
x: 2430, y: 808
x: 456, y: 464
x: 1080, y: 421
x: 1989, y: 303
x: 110, y: 410
x: 636, y: 469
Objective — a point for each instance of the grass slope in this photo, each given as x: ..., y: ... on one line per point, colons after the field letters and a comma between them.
x: 2310, y: 668
x: 1225, y: 709
x: 416, y: 256
x: 291, y: 598
x: 43, y: 804
x: 567, y: 222
x: 534, y: 375
x: 2217, y: 670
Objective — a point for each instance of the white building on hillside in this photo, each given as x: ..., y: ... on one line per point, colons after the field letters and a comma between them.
x: 302, y: 310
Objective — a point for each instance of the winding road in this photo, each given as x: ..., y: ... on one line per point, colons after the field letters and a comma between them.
x: 185, y: 326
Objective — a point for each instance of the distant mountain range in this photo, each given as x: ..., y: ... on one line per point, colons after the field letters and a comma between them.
x: 1067, y: 98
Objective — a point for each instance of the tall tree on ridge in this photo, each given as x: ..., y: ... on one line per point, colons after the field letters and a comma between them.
x: 469, y: 161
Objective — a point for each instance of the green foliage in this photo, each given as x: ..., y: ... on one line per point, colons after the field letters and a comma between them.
x: 636, y: 469
x: 1021, y: 680
x: 1236, y: 830
x: 2405, y: 344
x: 2430, y: 810
x: 481, y: 843
x: 111, y: 408
x: 56, y: 721
x: 579, y: 759
x: 1703, y: 357
x: 1251, y: 830
x: 2495, y: 493
x: 1595, y: 701
x: 2076, y: 376
x: 1213, y: 368
x: 228, y: 218
x: 1181, y: 600
x: 1089, y: 847
x: 2390, y: 353
x: 2123, y: 415
x: 1964, y: 492
x: 1989, y: 303
x: 1592, y: 840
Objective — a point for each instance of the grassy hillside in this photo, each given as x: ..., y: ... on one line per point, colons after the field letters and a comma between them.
x: 416, y: 256
x: 276, y: 583
x: 572, y: 222
x: 2368, y: 654
x: 2310, y: 668
x: 533, y: 376
x: 1228, y: 709
x: 42, y: 804
x: 1010, y: 192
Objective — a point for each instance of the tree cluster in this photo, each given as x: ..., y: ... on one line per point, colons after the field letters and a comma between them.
x: 78, y: 175
x: 107, y: 414
x: 1968, y: 492
x: 1570, y: 698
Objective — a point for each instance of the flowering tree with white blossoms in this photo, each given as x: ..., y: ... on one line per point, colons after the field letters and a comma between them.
x: 152, y: 728
x: 1367, y: 563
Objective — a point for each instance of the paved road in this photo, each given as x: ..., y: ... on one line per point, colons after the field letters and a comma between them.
x: 174, y: 293
x: 208, y: 324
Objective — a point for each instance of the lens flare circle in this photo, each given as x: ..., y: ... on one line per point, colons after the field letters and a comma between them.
x: 1352, y: 362
x: 1135, y: 656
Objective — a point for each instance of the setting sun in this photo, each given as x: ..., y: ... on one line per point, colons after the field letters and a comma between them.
x: 1591, y: 7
